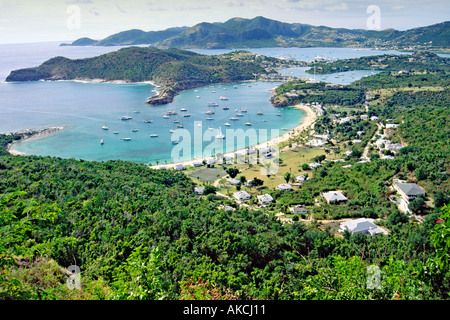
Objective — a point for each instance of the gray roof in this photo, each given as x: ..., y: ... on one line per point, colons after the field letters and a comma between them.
x: 364, y: 226
x: 334, y: 196
x: 410, y: 189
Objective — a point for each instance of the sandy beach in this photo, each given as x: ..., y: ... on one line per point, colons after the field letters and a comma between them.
x: 306, y: 122
x: 32, y: 134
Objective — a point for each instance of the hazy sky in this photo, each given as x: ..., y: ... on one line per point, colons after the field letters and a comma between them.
x: 67, y: 20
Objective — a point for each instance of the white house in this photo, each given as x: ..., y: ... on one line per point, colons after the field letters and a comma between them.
x: 391, y: 125
x: 394, y: 147
x: 301, y: 179
x: 315, y: 143
x: 179, y: 167
x: 299, y: 208
x: 199, y: 190
x: 233, y: 181
x: 197, y: 163
x: 241, y: 195
x: 361, y: 225
x: 265, y: 199
x: 334, y: 196
x: 408, y: 191
x: 284, y: 186
x: 314, y: 165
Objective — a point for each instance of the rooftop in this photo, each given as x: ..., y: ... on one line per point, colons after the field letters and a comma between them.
x: 410, y: 189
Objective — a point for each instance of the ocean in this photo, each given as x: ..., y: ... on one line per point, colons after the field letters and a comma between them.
x: 83, y: 108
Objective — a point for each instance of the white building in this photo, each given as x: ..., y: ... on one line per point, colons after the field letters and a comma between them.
x: 199, y: 190
x: 265, y: 199
x: 315, y: 143
x: 391, y: 125
x: 334, y: 196
x: 301, y: 179
x: 241, y: 195
x: 234, y: 182
x: 179, y: 167
x: 299, y: 208
x: 314, y: 165
x: 408, y: 191
x: 361, y: 225
x: 284, y: 186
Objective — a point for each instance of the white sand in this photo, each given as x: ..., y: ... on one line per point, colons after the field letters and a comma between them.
x: 307, y: 121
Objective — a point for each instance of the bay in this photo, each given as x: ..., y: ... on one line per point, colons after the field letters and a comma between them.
x: 82, y: 108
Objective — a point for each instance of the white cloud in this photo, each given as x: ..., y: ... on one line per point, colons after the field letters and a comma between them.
x: 338, y: 7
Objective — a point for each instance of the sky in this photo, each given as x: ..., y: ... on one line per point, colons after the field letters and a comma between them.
x: 23, y: 21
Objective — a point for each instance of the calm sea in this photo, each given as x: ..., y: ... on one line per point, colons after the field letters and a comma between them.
x: 84, y: 108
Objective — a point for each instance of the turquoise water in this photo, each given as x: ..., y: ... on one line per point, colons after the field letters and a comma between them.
x: 83, y: 108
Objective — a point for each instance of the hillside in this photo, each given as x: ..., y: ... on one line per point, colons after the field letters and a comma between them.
x: 173, y: 69
x: 263, y: 32
x: 421, y: 61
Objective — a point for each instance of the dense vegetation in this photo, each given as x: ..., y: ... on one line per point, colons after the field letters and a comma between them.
x: 293, y: 92
x: 138, y: 233
x: 418, y: 62
x: 179, y: 68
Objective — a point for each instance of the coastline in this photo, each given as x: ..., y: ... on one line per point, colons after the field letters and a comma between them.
x: 307, y: 121
x: 31, y: 134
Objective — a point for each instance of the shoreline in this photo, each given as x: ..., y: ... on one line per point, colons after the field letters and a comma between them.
x: 307, y: 121
x: 30, y: 135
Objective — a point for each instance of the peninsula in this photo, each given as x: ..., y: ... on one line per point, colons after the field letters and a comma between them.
x: 172, y: 69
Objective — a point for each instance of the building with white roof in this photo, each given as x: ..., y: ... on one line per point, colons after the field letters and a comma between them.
x: 334, y: 196
x: 241, y: 195
x: 284, y: 186
x: 408, y: 191
x: 265, y: 199
x: 361, y: 225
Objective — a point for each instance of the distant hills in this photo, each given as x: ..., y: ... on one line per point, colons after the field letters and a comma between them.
x: 263, y: 32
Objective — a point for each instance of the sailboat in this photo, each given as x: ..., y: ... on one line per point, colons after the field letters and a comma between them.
x: 126, y: 139
x: 227, y: 124
x: 102, y: 142
x: 104, y: 128
x: 220, y: 135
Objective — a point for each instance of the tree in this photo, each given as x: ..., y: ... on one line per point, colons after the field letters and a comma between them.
x: 416, y: 204
x: 233, y: 172
x: 287, y: 176
x: 397, y: 217
x: 209, y: 190
x: 441, y: 198
x: 305, y: 167
x: 421, y: 173
x: 243, y: 179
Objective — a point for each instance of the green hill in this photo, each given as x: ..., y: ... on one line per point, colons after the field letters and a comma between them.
x: 173, y: 67
x: 263, y: 32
